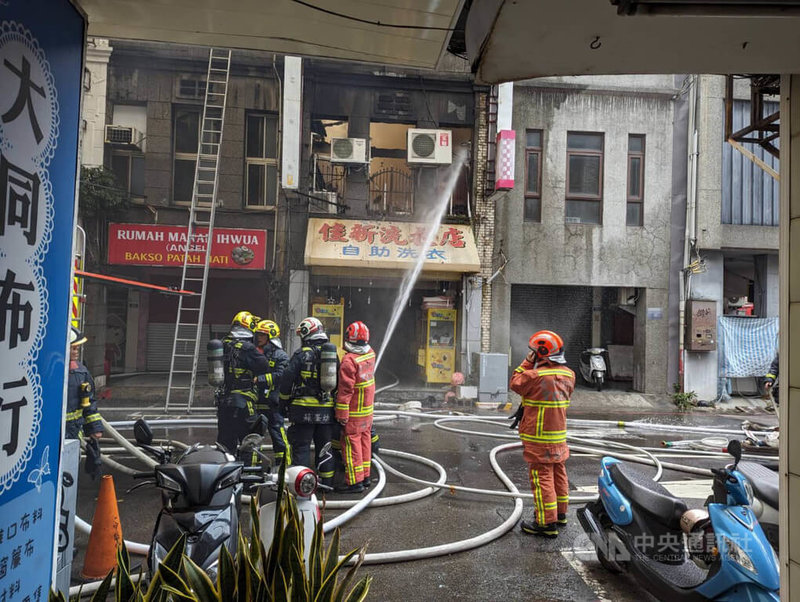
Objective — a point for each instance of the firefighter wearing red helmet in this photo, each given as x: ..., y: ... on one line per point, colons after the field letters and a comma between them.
x: 354, y: 401
x: 545, y: 384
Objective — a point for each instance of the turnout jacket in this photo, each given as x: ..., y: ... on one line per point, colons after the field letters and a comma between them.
x: 772, y: 375
x: 300, y: 389
x: 243, y: 363
x: 268, y: 384
x: 545, y: 388
x: 85, y: 418
x: 356, y: 387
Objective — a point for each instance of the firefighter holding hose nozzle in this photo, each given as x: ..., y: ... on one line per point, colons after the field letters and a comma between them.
x: 545, y: 384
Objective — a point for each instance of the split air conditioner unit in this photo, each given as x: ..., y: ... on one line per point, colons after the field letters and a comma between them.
x: 349, y: 150
x: 430, y: 146
x: 123, y: 135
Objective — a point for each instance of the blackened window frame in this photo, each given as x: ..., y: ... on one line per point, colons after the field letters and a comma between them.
x: 532, y: 211
x: 262, y: 160
x: 630, y: 198
x: 598, y: 198
x: 178, y: 155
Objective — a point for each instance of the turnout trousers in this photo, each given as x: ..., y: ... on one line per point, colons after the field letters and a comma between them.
x: 356, y: 440
x: 300, y: 437
x: 550, y: 489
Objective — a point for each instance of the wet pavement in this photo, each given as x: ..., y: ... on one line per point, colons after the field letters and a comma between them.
x: 515, y: 566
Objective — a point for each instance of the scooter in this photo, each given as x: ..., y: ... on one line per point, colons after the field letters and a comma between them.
x: 593, y: 366
x: 201, y: 493
x: 720, y: 553
x: 302, y: 483
x: 765, y: 497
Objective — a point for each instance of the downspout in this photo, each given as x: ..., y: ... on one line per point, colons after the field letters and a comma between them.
x: 690, y: 232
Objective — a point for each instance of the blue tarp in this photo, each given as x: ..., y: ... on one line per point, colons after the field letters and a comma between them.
x: 746, y: 345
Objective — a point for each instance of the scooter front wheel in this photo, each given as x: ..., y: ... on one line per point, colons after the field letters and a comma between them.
x: 598, y: 381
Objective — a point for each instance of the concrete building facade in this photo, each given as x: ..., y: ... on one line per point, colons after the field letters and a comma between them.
x: 583, y: 240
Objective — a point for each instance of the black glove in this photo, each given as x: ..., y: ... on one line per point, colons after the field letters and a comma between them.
x: 92, y: 465
x: 516, y: 417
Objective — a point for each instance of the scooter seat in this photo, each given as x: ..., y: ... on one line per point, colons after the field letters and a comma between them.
x: 763, y: 480
x: 650, y: 496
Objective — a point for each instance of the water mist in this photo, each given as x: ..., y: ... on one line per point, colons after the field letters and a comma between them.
x: 410, y: 279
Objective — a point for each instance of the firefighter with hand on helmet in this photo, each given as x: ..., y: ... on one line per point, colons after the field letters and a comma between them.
x: 310, y: 407
x: 545, y: 384
x: 268, y: 342
x: 243, y: 362
x: 354, y: 399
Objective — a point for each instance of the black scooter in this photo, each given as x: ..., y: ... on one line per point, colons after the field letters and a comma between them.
x: 764, y: 479
x: 201, y: 493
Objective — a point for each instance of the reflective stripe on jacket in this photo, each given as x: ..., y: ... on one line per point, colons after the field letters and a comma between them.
x: 356, y: 388
x: 546, y: 390
x: 78, y: 417
x: 300, y: 388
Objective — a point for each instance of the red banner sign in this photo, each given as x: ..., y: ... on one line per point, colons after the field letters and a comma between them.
x: 144, y: 244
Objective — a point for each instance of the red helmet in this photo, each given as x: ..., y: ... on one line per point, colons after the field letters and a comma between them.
x: 545, y: 343
x: 357, y: 333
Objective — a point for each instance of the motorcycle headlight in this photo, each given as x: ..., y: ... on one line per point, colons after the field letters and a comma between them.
x: 167, y: 482
x: 737, y: 554
x: 229, y: 480
x: 306, y: 483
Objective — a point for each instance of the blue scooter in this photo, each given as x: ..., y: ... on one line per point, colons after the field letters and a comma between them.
x: 718, y: 553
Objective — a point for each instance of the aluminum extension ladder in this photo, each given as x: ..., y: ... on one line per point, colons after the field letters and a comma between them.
x: 189, y: 323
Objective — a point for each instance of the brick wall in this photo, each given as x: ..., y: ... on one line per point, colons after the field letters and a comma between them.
x: 484, y: 216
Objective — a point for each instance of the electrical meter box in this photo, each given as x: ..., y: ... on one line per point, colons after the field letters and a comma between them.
x: 490, y: 370
x: 701, y: 326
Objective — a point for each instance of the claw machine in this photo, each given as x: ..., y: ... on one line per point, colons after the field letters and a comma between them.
x: 440, y: 344
x: 332, y: 317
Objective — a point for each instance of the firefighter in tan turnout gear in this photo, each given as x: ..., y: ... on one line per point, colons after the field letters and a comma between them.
x: 545, y: 384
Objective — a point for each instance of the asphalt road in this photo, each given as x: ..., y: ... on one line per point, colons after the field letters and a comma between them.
x: 514, y: 567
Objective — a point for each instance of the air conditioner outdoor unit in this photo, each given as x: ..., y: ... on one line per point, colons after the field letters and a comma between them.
x: 328, y: 202
x: 123, y: 135
x: 349, y: 150
x: 430, y: 146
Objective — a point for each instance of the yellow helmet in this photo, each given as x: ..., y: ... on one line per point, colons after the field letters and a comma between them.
x: 269, y: 328
x: 244, y: 319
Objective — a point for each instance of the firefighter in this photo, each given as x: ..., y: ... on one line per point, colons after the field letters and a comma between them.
x: 82, y: 415
x: 354, y: 399
x: 243, y: 363
x: 267, y: 333
x: 310, y: 408
x: 545, y: 385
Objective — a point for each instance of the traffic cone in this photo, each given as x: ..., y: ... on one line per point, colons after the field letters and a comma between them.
x: 106, y: 535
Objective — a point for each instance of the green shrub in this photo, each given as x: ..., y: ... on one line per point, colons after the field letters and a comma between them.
x: 685, y: 400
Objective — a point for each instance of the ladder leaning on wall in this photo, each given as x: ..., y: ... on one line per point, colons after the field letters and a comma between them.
x: 189, y: 322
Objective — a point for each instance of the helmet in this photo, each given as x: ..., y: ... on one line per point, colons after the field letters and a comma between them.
x: 309, y: 327
x: 243, y: 318
x: 357, y: 333
x: 267, y: 327
x: 76, y: 336
x: 546, y: 343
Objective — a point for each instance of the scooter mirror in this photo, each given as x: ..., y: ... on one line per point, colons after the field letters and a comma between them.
x: 735, y: 449
x: 325, y: 454
x: 142, y: 432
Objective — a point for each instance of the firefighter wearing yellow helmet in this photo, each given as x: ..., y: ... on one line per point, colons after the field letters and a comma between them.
x: 268, y: 342
x: 243, y: 363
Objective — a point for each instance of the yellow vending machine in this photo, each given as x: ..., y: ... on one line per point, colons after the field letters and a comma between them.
x: 331, y: 315
x: 440, y: 347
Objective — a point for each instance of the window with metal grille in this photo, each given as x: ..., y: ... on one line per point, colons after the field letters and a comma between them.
x: 261, y: 160
x: 584, y: 195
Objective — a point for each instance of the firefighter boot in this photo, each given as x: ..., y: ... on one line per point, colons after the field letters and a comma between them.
x: 533, y: 528
x: 562, y: 519
x: 357, y: 488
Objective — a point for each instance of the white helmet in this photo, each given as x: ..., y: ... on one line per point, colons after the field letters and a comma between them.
x: 310, y: 328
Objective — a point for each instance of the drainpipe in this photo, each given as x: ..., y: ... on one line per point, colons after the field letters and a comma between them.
x: 690, y: 233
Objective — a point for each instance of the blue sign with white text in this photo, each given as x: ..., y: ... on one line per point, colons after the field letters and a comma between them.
x: 41, y: 54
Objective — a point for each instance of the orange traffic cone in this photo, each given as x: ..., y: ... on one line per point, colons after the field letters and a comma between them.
x: 106, y: 535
